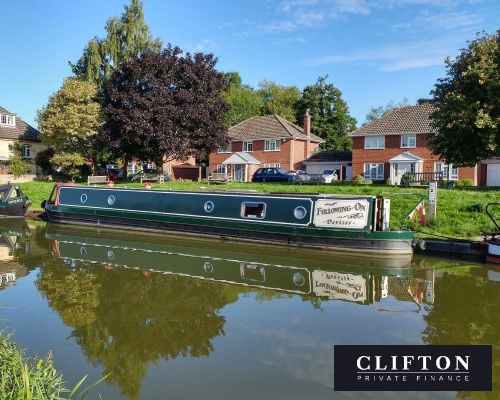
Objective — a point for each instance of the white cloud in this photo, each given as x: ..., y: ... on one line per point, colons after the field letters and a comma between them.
x: 395, y: 57
x: 448, y: 21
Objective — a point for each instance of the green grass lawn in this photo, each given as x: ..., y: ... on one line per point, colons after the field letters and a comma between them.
x: 460, y: 213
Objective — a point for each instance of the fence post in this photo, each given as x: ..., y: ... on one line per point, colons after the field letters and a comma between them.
x: 432, y: 199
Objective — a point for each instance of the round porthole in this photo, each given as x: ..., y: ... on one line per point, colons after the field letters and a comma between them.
x: 111, y: 200
x: 111, y: 255
x: 83, y: 198
x: 299, y: 212
x: 298, y: 279
x: 208, y: 206
x: 208, y: 267
x: 83, y: 251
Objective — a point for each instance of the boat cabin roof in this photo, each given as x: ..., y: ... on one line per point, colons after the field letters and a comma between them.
x: 244, y: 192
x: 6, y: 189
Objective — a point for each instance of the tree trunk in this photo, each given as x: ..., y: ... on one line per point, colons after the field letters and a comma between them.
x: 124, y: 168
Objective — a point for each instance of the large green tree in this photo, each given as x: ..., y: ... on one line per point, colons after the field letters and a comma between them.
x: 72, y: 118
x: 165, y: 105
x: 278, y: 99
x: 330, y: 118
x: 126, y: 37
x: 467, y: 100
x: 244, y: 102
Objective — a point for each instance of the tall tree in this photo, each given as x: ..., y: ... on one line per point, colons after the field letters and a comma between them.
x: 378, y: 112
x: 467, y: 100
x: 165, y: 105
x: 126, y: 37
x: 330, y: 117
x: 279, y: 99
x: 72, y: 118
x: 244, y: 102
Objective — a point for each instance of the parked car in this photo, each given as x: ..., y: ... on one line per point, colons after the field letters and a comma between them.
x: 114, y: 174
x: 295, y: 171
x: 271, y: 175
x: 302, y: 176
x: 329, y: 175
x: 137, y: 176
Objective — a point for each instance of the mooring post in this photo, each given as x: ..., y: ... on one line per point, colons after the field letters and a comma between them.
x: 432, y: 199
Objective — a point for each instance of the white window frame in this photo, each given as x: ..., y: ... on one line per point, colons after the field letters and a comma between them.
x: 26, y: 151
x: 7, y: 120
x: 226, y: 149
x: 450, y: 172
x: 410, y: 137
x: 248, y: 146
x: 379, y: 171
x: 272, y: 145
x: 380, y: 139
x: 272, y: 165
x: 220, y: 169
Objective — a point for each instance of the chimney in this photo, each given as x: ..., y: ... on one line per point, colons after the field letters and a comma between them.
x: 307, y: 124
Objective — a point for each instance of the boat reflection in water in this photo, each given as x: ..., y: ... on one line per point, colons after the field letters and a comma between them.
x: 325, y: 275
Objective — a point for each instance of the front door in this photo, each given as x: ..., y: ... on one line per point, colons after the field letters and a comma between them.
x: 239, y: 170
x: 402, y: 168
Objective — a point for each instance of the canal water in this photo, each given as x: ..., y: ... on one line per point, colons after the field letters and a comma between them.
x: 181, y: 318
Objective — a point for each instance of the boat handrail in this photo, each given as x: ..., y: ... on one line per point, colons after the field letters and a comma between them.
x: 492, y: 217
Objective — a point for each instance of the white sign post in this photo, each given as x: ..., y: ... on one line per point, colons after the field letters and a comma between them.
x: 432, y: 199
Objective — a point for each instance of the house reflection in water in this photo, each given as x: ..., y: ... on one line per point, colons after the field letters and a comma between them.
x: 14, y: 234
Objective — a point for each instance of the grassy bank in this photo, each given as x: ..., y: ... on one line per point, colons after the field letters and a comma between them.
x: 460, y: 212
x: 23, y: 378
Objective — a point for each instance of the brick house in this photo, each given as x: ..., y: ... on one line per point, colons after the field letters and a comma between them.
x: 14, y: 131
x: 264, y: 141
x: 397, y: 143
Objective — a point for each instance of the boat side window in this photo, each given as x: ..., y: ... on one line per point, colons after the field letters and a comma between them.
x: 253, y: 210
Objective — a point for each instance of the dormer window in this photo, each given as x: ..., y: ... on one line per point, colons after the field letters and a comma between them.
x: 6, y: 119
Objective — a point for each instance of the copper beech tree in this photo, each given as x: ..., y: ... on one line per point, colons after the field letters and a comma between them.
x: 164, y: 105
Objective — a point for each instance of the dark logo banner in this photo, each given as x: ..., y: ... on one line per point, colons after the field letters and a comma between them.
x: 414, y: 368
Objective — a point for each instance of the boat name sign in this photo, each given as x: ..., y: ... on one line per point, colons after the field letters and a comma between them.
x: 348, y: 214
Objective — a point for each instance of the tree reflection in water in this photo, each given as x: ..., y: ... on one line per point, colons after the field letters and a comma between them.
x: 467, y: 311
x: 125, y: 319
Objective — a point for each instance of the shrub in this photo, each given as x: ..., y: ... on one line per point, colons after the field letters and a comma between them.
x: 17, y: 166
x: 358, y: 180
x: 464, y: 182
x: 42, y: 159
x: 388, y: 182
x: 69, y: 163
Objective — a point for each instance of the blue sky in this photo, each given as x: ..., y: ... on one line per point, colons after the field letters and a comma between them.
x: 373, y: 51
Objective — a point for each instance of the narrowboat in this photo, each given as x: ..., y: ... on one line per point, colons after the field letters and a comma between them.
x: 340, y: 222
x: 344, y: 278
x: 13, y: 203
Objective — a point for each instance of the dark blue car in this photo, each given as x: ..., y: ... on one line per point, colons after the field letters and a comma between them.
x: 271, y: 175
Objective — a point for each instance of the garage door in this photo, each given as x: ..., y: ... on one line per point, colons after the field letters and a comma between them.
x: 493, y: 175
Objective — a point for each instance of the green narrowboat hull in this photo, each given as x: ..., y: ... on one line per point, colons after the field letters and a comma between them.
x: 347, y: 280
x: 294, y: 220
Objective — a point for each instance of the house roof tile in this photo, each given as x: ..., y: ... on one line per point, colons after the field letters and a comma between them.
x: 22, y: 130
x: 268, y: 127
x: 407, y: 119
